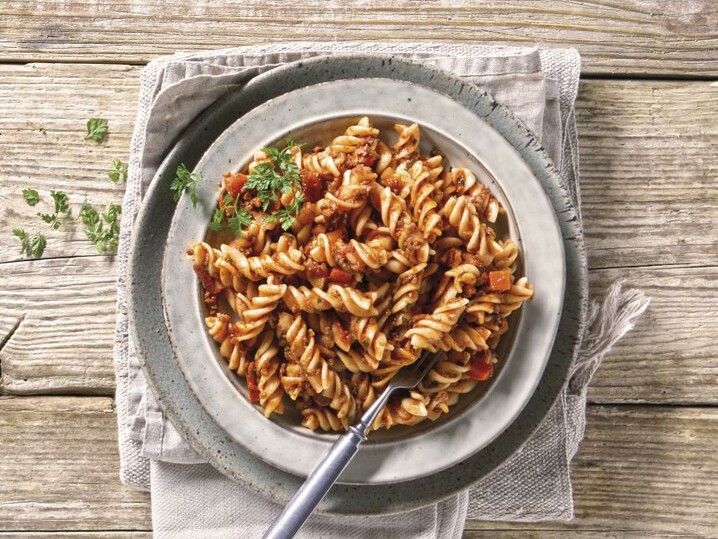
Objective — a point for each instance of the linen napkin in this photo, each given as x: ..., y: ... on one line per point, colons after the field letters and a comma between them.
x: 189, y: 497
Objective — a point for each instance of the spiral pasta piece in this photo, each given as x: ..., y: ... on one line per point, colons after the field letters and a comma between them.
x: 424, y: 206
x: 262, y: 306
x: 408, y: 142
x: 256, y: 268
x: 319, y: 418
x: 303, y: 350
x: 343, y: 300
x: 428, y: 330
x: 219, y: 328
x: 396, y: 217
x: 267, y: 367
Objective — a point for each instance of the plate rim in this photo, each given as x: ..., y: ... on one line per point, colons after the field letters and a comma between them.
x: 349, y: 499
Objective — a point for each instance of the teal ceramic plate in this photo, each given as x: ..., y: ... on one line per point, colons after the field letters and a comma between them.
x: 521, y: 395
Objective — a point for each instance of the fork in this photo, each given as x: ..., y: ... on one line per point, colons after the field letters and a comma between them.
x: 335, y: 460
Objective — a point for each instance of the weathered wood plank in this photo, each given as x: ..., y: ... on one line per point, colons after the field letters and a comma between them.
x: 648, y: 164
x: 645, y: 470
x: 672, y: 354
x: 59, y: 467
x: 78, y: 535
x: 670, y: 357
x: 642, y: 470
x: 43, y: 112
x: 60, y: 314
x: 649, y: 156
x: 629, y: 36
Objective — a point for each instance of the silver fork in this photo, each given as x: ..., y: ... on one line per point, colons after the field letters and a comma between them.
x: 335, y: 460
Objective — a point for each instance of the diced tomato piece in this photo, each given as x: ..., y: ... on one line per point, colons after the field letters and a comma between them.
x: 337, y: 235
x: 252, y: 387
x: 208, y: 282
x: 316, y: 270
x: 311, y: 185
x: 234, y: 183
x: 480, y: 370
x: 499, y: 281
x: 340, y: 276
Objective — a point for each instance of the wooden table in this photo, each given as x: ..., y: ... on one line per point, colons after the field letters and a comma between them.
x: 648, y: 124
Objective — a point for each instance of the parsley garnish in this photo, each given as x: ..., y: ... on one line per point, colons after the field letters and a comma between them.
x: 118, y: 171
x: 288, y: 215
x: 20, y: 234
x: 62, y: 206
x: 278, y: 175
x: 103, y: 230
x: 185, y: 181
x: 51, y: 219
x: 31, y: 196
x: 61, y: 202
x: 34, y: 246
x: 96, y: 129
x: 37, y: 245
x: 240, y: 218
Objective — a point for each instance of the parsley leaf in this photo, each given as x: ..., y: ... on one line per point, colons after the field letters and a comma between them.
x: 185, y: 181
x: 118, y: 171
x: 216, y: 222
x: 37, y: 245
x: 238, y: 221
x: 24, y: 239
x: 279, y: 174
x: 103, y: 230
x: 51, y: 219
x: 61, y: 202
x: 96, y: 129
x: 31, y: 196
x: 288, y: 215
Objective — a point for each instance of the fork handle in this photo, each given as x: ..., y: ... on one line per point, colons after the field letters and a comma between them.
x: 324, y: 475
x: 317, y: 484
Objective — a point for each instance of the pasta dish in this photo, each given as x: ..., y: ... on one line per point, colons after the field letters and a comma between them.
x: 328, y: 269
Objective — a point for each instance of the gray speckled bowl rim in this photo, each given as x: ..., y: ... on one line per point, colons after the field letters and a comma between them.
x: 153, y: 344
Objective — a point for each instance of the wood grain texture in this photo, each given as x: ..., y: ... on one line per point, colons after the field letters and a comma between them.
x: 670, y: 357
x: 627, y: 36
x: 43, y: 112
x: 57, y: 319
x: 648, y: 164
x: 672, y: 354
x: 78, y: 535
x: 59, y: 467
x: 649, y: 159
x: 646, y: 470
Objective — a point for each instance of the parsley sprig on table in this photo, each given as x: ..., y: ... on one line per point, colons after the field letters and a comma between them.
x: 96, y: 129
x: 102, y: 230
x: 118, y: 171
x: 62, y: 207
x: 34, y: 246
x: 185, y: 181
x: 31, y: 196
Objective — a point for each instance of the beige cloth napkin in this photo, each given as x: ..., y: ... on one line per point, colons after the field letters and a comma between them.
x: 189, y: 497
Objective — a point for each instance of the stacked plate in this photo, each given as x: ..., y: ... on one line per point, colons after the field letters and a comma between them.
x: 406, y: 467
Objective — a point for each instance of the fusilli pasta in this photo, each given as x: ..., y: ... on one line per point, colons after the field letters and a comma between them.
x: 328, y: 270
